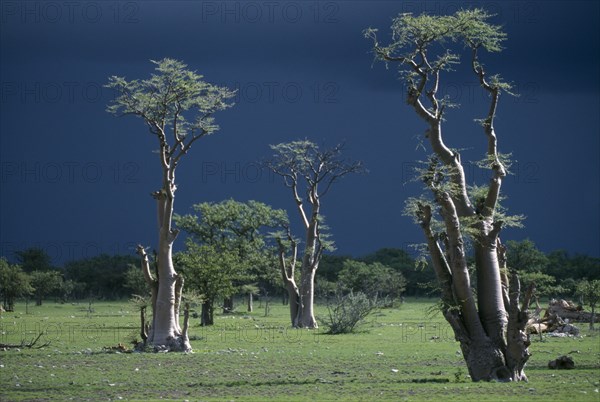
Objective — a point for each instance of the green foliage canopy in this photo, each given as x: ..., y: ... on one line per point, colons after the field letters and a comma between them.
x: 14, y: 283
x: 229, y: 246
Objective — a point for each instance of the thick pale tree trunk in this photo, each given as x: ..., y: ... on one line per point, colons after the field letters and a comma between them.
x: 492, y: 334
x: 489, y: 291
x: 165, y: 332
x: 493, y: 347
x: 294, y: 303
x: 165, y: 321
x: 307, y: 295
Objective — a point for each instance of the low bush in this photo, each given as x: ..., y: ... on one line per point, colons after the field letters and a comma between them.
x: 347, y: 312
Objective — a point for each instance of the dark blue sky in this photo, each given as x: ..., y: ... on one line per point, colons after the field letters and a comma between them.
x: 76, y: 180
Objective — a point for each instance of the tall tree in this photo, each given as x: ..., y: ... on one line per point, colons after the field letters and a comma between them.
x: 490, y: 328
x: 210, y: 272
x: 228, y: 247
x: 178, y: 108
x: 306, y: 168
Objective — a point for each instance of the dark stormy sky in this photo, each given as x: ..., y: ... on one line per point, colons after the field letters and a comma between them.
x: 76, y: 180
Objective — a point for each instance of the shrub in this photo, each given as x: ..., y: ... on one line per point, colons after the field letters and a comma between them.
x: 348, y: 311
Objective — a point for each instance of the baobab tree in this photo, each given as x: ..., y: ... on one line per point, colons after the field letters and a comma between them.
x: 304, y: 167
x: 487, y: 321
x: 178, y: 108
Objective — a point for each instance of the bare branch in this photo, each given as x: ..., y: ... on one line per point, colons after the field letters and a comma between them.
x: 299, y: 204
x: 343, y: 170
x: 185, y: 148
x: 30, y: 345
x: 150, y: 280
x: 488, y: 126
x: 414, y: 93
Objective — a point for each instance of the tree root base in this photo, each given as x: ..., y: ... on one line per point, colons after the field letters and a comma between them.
x: 178, y: 344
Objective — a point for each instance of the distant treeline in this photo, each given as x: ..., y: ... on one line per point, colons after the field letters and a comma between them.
x: 388, y: 272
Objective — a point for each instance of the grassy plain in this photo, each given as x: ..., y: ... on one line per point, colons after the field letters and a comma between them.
x: 403, y: 354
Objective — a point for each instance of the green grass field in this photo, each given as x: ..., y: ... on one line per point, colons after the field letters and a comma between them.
x: 402, y: 354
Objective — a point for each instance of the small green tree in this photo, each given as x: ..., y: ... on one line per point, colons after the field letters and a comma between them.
x: 45, y: 283
x: 210, y: 272
x: 416, y: 275
x: 375, y: 280
x: 135, y: 283
x: 68, y: 290
x: 590, y: 292
x: 545, y: 285
x: 14, y: 283
x: 228, y: 247
x: 524, y: 256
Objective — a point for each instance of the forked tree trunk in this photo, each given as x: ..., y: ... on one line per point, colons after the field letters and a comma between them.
x: 293, y: 300
x: 492, y: 351
x: 287, y: 274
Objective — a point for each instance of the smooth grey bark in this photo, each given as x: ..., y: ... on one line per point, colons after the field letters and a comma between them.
x: 301, y: 298
x: 178, y: 107
x: 491, y: 329
x: 165, y: 331
x: 304, y: 167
